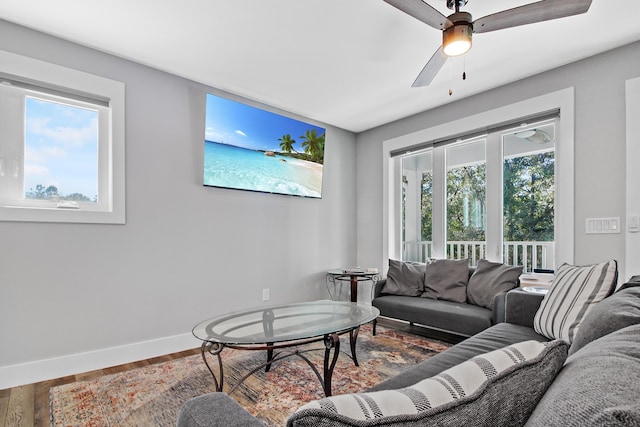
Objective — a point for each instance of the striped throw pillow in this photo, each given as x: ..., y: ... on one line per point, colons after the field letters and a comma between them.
x: 501, y: 387
x: 573, y: 292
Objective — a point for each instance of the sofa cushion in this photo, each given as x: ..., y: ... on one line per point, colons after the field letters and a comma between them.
x: 404, y: 279
x: 483, y: 391
x: 572, y: 294
x: 618, y: 311
x: 462, y: 319
x: 447, y: 279
x: 598, y: 386
x: 489, y: 279
x: 493, y: 338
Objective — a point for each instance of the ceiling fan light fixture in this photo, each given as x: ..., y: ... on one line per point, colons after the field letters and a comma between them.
x: 525, y: 134
x: 456, y: 40
x: 536, y: 136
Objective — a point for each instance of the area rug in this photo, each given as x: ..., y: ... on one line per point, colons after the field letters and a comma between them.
x: 152, y: 395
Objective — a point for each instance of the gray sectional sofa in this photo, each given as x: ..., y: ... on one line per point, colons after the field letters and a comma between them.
x: 597, y: 385
x: 446, y: 296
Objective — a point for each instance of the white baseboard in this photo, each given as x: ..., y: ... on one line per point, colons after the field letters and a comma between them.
x: 47, y: 369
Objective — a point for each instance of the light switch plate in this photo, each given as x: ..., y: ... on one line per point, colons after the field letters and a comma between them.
x: 610, y: 225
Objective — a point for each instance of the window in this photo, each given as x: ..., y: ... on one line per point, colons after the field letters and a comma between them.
x: 529, y: 197
x: 466, y: 195
x: 417, y: 199
x: 505, y: 223
x: 61, y: 144
x: 527, y: 192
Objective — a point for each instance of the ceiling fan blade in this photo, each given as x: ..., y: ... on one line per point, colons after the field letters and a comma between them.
x: 431, y: 69
x: 529, y: 13
x: 423, y: 12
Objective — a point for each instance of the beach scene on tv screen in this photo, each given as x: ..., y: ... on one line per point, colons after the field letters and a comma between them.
x: 247, y: 148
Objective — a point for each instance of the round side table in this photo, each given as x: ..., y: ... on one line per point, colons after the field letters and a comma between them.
x: 353, y: 277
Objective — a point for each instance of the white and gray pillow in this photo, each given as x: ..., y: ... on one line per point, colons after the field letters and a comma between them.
x: 489, y: 279
x: 486, y: 390
x: 573, y: 293
x: 404, y: 279
x: 446, y: 279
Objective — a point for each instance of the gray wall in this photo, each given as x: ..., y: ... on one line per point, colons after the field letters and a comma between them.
x: 186, y: 252
x: 599, y: 148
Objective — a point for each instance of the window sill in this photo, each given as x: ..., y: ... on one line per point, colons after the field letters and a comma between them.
x: 60, y: 214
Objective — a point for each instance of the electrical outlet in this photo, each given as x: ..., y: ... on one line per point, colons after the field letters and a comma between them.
x: 266, y: 294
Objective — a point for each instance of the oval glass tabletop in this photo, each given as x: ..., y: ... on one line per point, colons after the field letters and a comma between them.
x: 286, y: 322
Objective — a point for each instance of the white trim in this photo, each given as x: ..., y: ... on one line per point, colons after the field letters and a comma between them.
x: 83, y: 83
x: 439, y: 215
x: 495, y: 197
x: 562, y: 99
x: 632, y: 240
x: 47, y: 369
x: 392, y: 235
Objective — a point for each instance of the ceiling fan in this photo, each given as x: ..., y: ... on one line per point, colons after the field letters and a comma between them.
x: 458, y: 28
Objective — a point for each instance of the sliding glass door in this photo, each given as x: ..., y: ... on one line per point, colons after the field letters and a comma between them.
x: 491, y: 196
x: 466, y: 195
x: 529, y: 196
x: 417, y: 206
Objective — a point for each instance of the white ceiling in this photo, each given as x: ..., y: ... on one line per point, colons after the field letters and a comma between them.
x: 347, y: 63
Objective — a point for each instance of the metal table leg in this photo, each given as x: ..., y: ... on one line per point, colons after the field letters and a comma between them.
x: 214, y: 349
x: 330, y: 342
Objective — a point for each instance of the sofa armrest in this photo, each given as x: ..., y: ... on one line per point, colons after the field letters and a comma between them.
x: 215, y: 410
x: 377, y: 289
x: 498, y: 308
x: 521, y: 307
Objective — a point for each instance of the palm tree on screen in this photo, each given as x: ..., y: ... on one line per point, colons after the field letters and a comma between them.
x: 313, y: 145
x: 286, y: 143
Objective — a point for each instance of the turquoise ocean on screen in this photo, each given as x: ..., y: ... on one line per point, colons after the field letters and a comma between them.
x: 234, y: 167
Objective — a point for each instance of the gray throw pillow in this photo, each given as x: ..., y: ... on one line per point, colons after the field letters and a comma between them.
x: 447, y: 279
x: 598, y: 385
x: 404, y: 279
x: 618, y: 311
x: 489, y: 279
x: 485, y: 391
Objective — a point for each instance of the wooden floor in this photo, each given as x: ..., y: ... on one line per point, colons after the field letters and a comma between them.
x: 28, y: 405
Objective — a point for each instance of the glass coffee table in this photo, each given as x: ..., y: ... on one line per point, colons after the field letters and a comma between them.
x: 281, y: 329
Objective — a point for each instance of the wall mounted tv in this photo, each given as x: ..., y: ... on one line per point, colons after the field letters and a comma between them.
x: 246, y: 148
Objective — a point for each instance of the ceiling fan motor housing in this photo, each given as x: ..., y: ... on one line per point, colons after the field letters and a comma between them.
x: 456, y: 39
x: 452, y: 4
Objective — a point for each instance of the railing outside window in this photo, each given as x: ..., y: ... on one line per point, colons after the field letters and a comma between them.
x: 530, y: 255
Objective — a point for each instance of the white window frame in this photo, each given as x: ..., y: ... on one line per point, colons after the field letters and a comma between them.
x: 110, y: 208
x: 564, y: 178
x: 632, y: 238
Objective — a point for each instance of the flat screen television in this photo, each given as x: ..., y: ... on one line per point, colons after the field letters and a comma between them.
x: 247, y: 148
